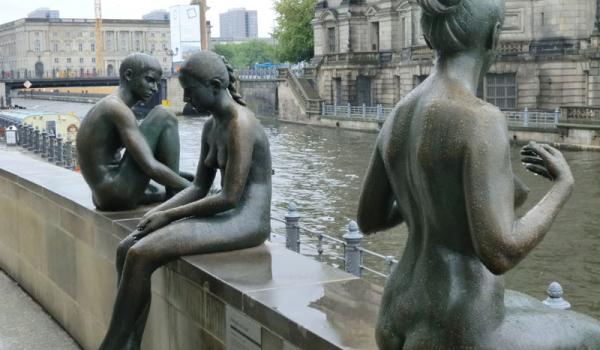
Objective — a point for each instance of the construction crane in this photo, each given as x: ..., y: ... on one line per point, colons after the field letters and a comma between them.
x: 203, y: 29
x: 99, y: 38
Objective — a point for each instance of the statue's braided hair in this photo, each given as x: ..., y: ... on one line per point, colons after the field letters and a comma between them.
x: 232, y: 82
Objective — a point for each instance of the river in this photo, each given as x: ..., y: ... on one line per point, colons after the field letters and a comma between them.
x: 321, y: 170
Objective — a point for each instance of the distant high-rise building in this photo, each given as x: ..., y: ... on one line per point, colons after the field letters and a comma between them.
x: 160, y: 15
x: 239, y: 24
x: 44, y: 12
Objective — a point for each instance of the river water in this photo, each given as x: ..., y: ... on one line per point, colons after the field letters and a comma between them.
x: 321, y: 170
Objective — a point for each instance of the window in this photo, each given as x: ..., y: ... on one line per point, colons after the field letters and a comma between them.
x: 55, y: 48
x: 374, y: 36
x: 81, y: 60
x: 93, y: 47
x: 80, y: 47
x: 37, y: 33
x: 164, y: 59
x: 69, y: 60
x: 56, y: 60
x: 331, y: 40
x: 137, y: 45
x: 37, y: 46
x: 501, y: 90
x: 93, y: 59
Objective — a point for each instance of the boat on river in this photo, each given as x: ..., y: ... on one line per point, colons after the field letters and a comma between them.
x: 65, y: 125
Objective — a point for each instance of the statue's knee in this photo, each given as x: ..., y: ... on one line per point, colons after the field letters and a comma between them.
x: 140, y: 257
x: 122, y: 249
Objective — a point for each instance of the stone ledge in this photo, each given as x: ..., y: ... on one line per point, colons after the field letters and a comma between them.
x: 69, y: 268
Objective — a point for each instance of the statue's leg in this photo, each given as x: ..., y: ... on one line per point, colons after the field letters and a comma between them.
x: 161, y: 130
x: 185, y: 237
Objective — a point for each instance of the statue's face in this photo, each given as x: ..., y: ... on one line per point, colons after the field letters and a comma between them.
x: 145, y: 85
x: 200, y: 95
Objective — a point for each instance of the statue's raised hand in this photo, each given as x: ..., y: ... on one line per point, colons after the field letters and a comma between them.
x: 546, y: 161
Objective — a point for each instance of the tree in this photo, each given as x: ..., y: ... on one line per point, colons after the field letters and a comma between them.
x: 294, y: 31
x: 244, y: 55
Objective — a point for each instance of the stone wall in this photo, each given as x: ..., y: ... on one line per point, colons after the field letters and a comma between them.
x: 62, y: 251
x: 261, y: 96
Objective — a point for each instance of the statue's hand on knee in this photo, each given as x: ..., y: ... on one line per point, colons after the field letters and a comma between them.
x: 152, y: 222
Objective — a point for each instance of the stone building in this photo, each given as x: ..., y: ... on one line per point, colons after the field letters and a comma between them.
x: 373, y: 52
x: 61, y: 47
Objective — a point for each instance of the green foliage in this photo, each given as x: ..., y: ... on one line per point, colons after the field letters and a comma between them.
x: 244, y: 55
x: 294, y: 31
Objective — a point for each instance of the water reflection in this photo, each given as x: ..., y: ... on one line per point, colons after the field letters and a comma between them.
x: 321, y: 171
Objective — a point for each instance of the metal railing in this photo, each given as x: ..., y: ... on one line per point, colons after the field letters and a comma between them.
x: 54, y: 148
x: 353, y: 252
x: 375, y: 112
x: 524, y: 118
x: 533, y: 119
x: 258, y: 74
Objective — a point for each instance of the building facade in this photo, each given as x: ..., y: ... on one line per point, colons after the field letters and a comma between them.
x: 373, y: 52
x: 62, y: 47
x: 238, y: 24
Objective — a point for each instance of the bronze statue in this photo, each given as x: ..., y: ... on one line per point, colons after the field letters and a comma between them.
x: 442, y: 165
x: 120, y: 181
x: 194, y: 221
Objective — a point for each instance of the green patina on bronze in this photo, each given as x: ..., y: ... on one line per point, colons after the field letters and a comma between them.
x: 195, y: 221
x: 442, y: 166
x: 121, y: 182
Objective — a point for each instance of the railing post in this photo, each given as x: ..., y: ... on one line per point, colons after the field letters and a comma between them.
x: 20, y: 134
x: 68, y: 154
x: 322, y: 108
x: 364, y: 111
x: 59, y: 151
x: 44, y: 148
x: 555, y: 297
x: 349, y: 109
x: 526, y: 117
x: 556, y: 115
x: 30, y: 134
x: 352, y: 253
x: 51, y: 146
x: 36, y: 140
x: 292, y: 229
x: 379, y: 111
x: 334, y: 108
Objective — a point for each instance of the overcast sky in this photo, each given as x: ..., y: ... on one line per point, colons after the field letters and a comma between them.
x: 11, y: 10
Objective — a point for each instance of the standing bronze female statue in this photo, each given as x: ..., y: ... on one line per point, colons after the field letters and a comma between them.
x: 121, y: 181
x: 194, y: 222
x: 442, y: 165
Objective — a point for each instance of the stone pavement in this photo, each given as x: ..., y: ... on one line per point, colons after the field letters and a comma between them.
x: 24, y: 325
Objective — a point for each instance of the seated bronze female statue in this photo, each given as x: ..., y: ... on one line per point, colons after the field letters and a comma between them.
x: 442, y: 165
x: 120, y: 180
x: 194, y: 221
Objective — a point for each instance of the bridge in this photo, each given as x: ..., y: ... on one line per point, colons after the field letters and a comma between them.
x: 12, y: 84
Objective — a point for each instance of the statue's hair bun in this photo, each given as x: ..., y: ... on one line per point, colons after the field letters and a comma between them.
x: 439, y: 7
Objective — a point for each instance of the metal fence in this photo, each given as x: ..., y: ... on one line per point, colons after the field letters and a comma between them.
x: 349, y: 111
x: 524, y: 118
x: 354, y: 254
x: 44, y: 143
x: 533, y: 119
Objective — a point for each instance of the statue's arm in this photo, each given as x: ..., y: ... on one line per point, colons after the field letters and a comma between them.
x: 137, y: 146
x: 521, y: 192
x: 239, y: 149
x: 499, y: 238
x: 202, y: 182
x: 377, y: 209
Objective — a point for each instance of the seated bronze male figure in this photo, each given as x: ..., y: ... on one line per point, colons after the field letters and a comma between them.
x: 442, y: 165
x: 120, y: 181
x: 195, y: 222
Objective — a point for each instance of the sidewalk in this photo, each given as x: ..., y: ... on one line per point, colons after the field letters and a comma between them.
x: 24, y: 325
